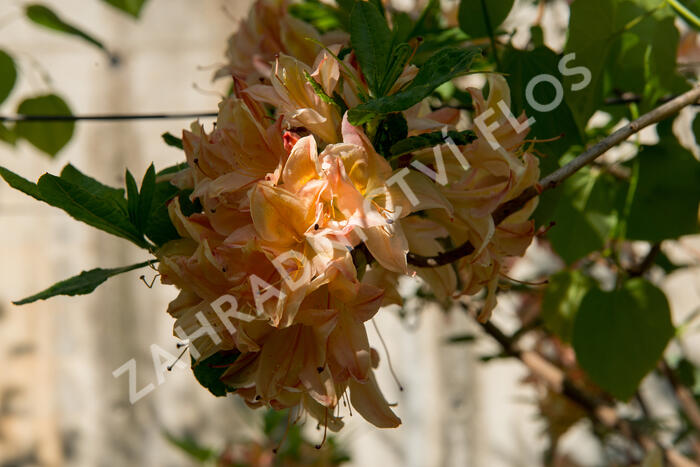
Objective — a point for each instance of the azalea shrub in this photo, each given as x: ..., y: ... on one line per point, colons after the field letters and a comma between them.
x: 351, y: 154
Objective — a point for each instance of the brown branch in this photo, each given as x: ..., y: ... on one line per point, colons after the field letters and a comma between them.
x: 557, y: 177
x: 646, y: 264
x: 599, y: 413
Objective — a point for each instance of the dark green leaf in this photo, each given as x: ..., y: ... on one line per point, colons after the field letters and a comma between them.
x: 630, y: 48
x: 44, y: 16
x: 91, y: 208
x: 173, y: 169
x: 8, y: 75
x: 132, y: 194
x: 172, y: 140
x: 146, y: 196
x: 620, y: 336
x: 131, y: 7
x: 561, y: 301
x: 322, y: 16
x: 391, y: 129
x: 209, y: 372
x: 521, y: 68
x: 371, y: 39
x: 585, y: 214
x: 76, y: 177
x: 159, y: 228
x: 21, y: 184
x: 429, y: 140
x: 83, y: 284
x: 442, y: 67
x: 49, y: 137
x: 666, y: 199
x: 473, y: 15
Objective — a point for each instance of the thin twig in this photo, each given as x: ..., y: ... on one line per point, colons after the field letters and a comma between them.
x: 557, y: 381
x: 646, y: 264
x: 557, y: 177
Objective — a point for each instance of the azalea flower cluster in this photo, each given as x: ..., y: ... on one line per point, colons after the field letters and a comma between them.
x: 291, y: 192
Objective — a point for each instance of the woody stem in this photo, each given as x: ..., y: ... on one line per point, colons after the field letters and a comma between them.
x: 560, y: 175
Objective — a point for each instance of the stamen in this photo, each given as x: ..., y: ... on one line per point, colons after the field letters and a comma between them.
x: 150, y: 286
x: 388, y: 357
x: 172, y: 365
x: 325, y: 431
x: 284, y: 435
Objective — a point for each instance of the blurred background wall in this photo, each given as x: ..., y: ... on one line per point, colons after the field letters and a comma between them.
x: 60, y: 404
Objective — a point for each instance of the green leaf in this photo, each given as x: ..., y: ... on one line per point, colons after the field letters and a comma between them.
x: 429, y: 140
x: 44, y: 16
x: 209, y: 372
x: 94, y: 209
x: 49, y: 137
x: 8, y: 75
x: 391, y: 129
x: 473, y: 14
x: 561, y: 301
x: 21, y: 184
x: 172, y: 140
x: 83, y: 284
x: 630, y: 48
x: 322, y: 16
x: 521, y: 68
x: 585, y: 214
x: 620, y: 336
x: 146, y: 196
x: 666, y: 200
x: 371, y: 40
x: 131, y: 7
x: 159, y: 228
x: 132, y: 195
x: 76, y: 177
x: 440, y: 68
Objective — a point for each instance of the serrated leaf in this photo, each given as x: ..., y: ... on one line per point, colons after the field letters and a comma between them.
x: 8, y: 75
x: 473, y: 15
x: 429, y: 140
x: 44, y: 16
x: 131, y: 7
x: 83, y: 284
x: 620, y: 336
x: 49, y: 137
x: 371, y: 40
x: 209, y: 371
x: 440, y: 68
x: 561, y: 301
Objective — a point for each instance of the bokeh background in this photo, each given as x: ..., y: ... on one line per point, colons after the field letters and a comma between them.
x: 59, y: 402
